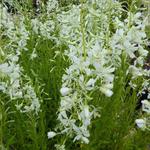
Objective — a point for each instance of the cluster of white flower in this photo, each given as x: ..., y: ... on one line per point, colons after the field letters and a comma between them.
x: 18, y: 35
x: 94, y: 55
x: 97, y: 41
x: 144, y: 123
x: 129, y: 38
x: 12, y: 85
x: 44, y: 25
x: 11, y: 71
x: 43, y: 29
x: 5, y: 18
x: 69, y: 24
x: 90, y: 70
x: 51, y: 5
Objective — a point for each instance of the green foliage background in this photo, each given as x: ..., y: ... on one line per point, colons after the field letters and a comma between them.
x: 114, y: 130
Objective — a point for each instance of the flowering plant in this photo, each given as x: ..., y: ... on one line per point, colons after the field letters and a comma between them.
x: 74, y: 73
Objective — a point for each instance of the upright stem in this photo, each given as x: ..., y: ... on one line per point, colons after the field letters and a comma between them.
x: 82, y: 23
x: 149, y: 13
x: 1, y: 127
x: 2, y: 122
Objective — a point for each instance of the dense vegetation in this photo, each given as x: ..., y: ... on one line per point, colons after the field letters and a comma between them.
x: 75, y: 74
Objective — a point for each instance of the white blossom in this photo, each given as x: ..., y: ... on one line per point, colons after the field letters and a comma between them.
x: 141, y: 123
x: 65, y: 91
x: 107, y: 89
x: 51, y: 134
x: 146, y: 106
x: 51, y: 5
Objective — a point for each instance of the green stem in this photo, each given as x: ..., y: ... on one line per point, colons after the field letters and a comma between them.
x: 82, y: 23
x: 149, y: 13
x: 2, y: 121
x: 1, y: 128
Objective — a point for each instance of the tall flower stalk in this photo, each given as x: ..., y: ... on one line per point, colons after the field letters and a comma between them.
x: 93, y: 68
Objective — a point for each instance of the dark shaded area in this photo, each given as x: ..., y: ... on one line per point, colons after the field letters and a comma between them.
x: 10, y: 8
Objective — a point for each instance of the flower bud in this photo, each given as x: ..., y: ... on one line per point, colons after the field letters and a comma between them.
x: 51, y: 134
x: 141, y: 123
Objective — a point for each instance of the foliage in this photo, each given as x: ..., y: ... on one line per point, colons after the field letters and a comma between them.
x: 72, y: 75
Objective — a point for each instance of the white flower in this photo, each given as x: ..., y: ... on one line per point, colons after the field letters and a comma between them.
x: 82, y: 134
x: 85, y: 140
x: 107, y: 92
x: 67, y: 102
x: 65, y: 91
x: 90, y: 84
x: 35, y: 25
x: 146, y: 106
x: 135, y: 71
x: 86, y: 111
x: 5, y: 68
x: 141, y: 123
x: 14, y: 58
x: 60, y: 147
x: 51, y: 5
x: 51, y: 134
x: 106, y: 89
x: 85, y: 116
